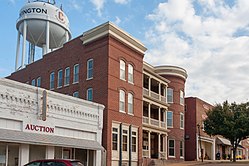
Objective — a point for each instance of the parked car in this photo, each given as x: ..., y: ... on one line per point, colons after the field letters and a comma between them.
x: 55, y: 162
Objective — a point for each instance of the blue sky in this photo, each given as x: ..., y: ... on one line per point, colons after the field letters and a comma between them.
x: 209, y: 38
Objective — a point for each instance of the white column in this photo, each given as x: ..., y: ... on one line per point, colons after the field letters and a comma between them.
x: 49, y: 152
x: 67, y: 36
x: 159, y: 87
x: 24, y: 42
x: 149, y: 84
x: 197, y: 149
x: 166, y: 146
x: 214, y: 147
x: 149, y: 144
x: 7, y: 155
x: 149, y: 111
x: 159, y: 144
x: 23, y: 154
x: 17, y: 50
x: 47, y: 38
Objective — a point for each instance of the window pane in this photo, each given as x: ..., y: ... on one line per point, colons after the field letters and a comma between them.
x: 114, y: 141
x: 33, y: 82
x: 38, y: 82
x: 60, y: 78
x: 121, y: 101
x: 130, y: 73
x: 67, y: 76
x: 89, y: 69
x: 171, y: 148
x: 122, y: 69
x: 130, y: 103
x: 181, y: 98
x: 76, y: 94
x: 170, y: 119
x: 52, y: 80
x: 124, y: 142
x: 170, y: 95
x: 90, y: 94
x: 76, y: 73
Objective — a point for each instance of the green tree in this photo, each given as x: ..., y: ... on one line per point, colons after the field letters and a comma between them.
x: 230, y: 121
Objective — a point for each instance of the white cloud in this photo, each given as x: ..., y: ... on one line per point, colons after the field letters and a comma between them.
x: 99, y: 4
x: 209, y: 42
x: 121, y: 1
x: 117, y: 21
x: 12, y: 1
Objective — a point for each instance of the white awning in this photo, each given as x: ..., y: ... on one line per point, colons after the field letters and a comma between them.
x: 45, y: 139
x: 223, y: 141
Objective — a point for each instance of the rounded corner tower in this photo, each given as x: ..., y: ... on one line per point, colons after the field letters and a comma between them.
x: 43, y: 25
x: 177, y: 77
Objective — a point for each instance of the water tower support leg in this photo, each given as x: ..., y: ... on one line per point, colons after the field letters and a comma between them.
x: 24, y: 42
x: 47, y: 37
x: 17, y: 50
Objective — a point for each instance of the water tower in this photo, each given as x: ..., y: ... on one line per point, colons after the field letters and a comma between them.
x: 43, y: 25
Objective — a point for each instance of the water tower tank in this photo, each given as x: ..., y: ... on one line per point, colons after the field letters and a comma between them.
x: 43, y: 25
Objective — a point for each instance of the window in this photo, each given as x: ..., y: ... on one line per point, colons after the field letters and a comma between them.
x: 114, y: 138
x: 130, y: 103
x: 51, y: 85
x: 130, y: 73
x: 33, y: 82
x: 90, y: 69
x: 38, y: 82
x: 125, y: 140
x: 76, y: 73
x: 181, y: 98
x: 60, y: 78
x: 170, y: 119
x: 134, y: 142
x: 181, y: 120
x: 89, y: 94
x: 76, y: 94
x: 121, y: 101
x: 122, y: 70
x: 67, y: 76
x: 181, y: 148
x: 170, y: 95
x: 171, y: 147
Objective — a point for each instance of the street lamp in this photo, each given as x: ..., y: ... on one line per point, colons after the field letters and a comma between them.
x: 199, y: 133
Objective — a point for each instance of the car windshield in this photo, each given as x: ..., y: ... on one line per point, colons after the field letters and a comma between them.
x: 76, y: 163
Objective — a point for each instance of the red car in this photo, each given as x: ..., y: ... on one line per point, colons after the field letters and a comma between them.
x: 55, y: 162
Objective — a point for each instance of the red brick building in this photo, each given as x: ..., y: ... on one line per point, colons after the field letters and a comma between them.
x: 105, y: 65
x: 195, y: 136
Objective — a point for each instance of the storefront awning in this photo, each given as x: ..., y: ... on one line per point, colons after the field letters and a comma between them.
x: 223, y: 141
x: 45, y: 139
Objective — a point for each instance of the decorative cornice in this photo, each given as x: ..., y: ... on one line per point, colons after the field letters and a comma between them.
x: 172, y: 71
x: 109, y: 28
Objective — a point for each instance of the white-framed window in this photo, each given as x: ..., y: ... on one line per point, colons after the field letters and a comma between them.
x: 76, y: 94
x: 121, y: 101
x: 33, y: 82
x: 130, y: 73
x: 181, y: 120
x: 122, y: 70
x: 60, y: 79
x: 170, y: 95
x: 181, y: 149
x: 171, y: 147
x: 51, y: 82
x: 181, y: 97
x: 134, y: 141
x: 130, y: 103
x: 76, y: 73
x: 114, y: 138
x: 169, y: 119
x: 90, y: 69
x: 38, y: 82
x: 125, y: 140
x: 89, y: 94
x: 67, y: 76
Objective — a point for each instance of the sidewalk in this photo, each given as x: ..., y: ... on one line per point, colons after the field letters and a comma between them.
x: 211, y: 163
